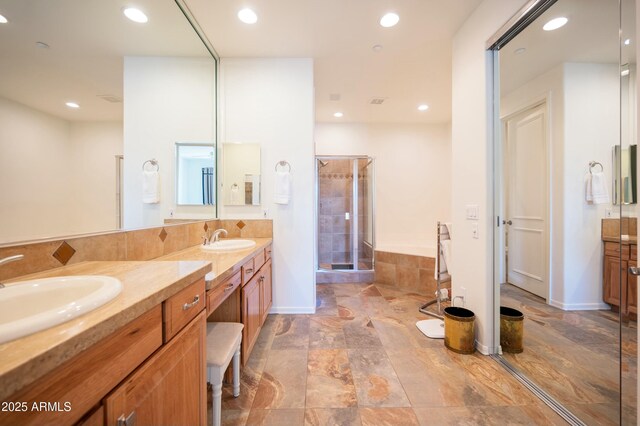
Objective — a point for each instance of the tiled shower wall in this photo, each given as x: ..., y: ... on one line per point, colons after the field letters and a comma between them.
x: 335, y: 185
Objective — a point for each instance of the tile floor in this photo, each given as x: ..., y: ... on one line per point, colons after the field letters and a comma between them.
x: 575, y: 357
x: 361, y: 361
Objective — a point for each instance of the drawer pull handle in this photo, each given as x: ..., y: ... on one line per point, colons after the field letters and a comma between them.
x: 249, y: 270
x: 196, y: 300
x: 129, y: 421
x: 634, y: 271
x: 228, y: 287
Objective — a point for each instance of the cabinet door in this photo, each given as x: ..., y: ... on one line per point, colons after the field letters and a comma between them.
x: 612, y: 269
x: 265, y: 291
x: 168, y: 389
x: 632, y: 291
x: 250, y: 316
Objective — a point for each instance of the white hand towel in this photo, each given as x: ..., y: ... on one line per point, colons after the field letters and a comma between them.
x: 446, y: 254
x: 150, y: 187
x: 596, y: 191
x: 282, y: 187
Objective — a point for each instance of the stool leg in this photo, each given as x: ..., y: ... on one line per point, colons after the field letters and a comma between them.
x: 236, y: 373
x: 217, y: 403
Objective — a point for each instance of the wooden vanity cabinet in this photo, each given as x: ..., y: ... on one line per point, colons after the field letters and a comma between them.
x: 132, y: 370
x: 619, y: 288
x: 256, y: 300
x: 168, y: 389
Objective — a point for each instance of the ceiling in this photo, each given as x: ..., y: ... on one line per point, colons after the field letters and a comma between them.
x: 413, y: 67
x: 88, y: 40
x: 590, y: 35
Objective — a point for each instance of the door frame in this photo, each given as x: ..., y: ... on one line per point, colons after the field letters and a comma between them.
x: 502, y: 195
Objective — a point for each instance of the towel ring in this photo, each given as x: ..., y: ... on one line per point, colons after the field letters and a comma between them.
x: 283, y: 164
x: 153, y: 162
x: 592, y: 164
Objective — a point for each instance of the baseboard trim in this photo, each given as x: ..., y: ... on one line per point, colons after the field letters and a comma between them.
x: 290, y: 310
x: 598, y: 306
x: 483, y: 349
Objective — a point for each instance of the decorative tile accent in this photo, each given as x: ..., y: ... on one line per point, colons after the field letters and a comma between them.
x: 241, y: 224
x: 206, y: 227
x: 163, y: 235
x: 64, y: 253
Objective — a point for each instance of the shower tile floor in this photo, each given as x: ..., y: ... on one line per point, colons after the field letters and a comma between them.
x: 360, y: 360
x: 574, y: 356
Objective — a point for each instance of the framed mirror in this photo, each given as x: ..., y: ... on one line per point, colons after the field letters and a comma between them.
x: 87, y: 96
x: 241, y: 184
x: 195, y: 174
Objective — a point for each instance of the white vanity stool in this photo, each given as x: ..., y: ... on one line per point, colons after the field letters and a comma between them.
x: 223, y: 344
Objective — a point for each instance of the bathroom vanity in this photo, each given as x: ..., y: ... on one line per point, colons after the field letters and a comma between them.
x: 618, y: 289
x: 125, y: 360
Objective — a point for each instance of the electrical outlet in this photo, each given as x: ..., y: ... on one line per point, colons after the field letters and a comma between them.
x: 265, y: 213
x: 608, y: 213
x: 474, y: 231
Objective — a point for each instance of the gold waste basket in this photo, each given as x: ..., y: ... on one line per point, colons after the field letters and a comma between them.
x: 511, y: 330
x: 459, y: 332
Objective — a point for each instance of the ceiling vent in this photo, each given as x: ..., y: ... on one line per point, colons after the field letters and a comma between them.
x: 110, y: 98
x: 334, y: 97
x: 377, y: 101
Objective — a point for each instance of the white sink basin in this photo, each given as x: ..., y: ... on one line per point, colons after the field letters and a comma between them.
x: 30, y: 306
x: 229, y: 245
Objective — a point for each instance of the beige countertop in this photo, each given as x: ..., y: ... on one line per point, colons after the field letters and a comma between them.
x: 144, y: 285
x: 224, y: 264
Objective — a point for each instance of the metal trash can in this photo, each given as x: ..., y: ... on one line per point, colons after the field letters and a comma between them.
x: 459, y: 331
x: 511, y: 330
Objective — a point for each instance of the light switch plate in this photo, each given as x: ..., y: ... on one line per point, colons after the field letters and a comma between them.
x: 472, y: 211
x: 474, y: 231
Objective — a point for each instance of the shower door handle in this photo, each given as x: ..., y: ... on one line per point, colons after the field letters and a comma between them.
x: 634, y: 271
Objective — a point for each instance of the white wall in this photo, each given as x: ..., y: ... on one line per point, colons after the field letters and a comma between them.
x: 63, y: 169
x: 472, y: 164
x: 412, y: 172
x: 591, y: 130
x: 270, y: 102
x: 166, y: 100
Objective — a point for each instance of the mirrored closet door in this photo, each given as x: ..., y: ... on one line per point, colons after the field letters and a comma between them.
x: 565, y: 155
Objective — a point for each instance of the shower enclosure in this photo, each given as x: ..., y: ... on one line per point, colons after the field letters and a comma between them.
x: 345, y: 215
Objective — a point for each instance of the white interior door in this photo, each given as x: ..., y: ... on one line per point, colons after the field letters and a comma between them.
x: 526, y: 219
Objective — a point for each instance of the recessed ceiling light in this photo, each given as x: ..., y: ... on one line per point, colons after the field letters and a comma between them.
x: 627, y: 42
x: 3, y: 20
x: 338, y: 114
x: 377, y: 48
x: 248, y: 16
x: 72, y: 105
x: 389, y: 20
x: 520, y: 51
x: 555, y: 23
x: 423, y: 107
x: 136, y: 15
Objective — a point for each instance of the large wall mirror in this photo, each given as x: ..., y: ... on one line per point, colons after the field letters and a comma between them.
x: 87, y: 98
x: 567, y: 95
x: 241, y: 163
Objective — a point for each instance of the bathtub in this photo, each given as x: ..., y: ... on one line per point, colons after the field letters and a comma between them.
x: 410, y: 267
x: 413, y: 250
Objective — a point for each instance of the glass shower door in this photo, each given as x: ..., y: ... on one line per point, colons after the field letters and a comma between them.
x: 335, y: 214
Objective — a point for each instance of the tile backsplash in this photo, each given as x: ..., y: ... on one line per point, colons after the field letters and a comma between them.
x: 141, y: 244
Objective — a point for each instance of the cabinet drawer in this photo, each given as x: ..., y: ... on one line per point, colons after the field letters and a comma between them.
x: 248, y: 270
x: 267, y: 253
x: 613, y: 249
x: 216, y: 296
x: 86, y: 378
x: 181, y: 308
x: 259, y: 260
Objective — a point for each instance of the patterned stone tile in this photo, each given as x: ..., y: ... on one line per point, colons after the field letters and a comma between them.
x: 276, y: 417
x: 376, y: 382
x: 291, y: 332
x: 329, y: 380
x: 332, y: 416
x: 327, y: 333
x: 283, y: 381
x: 388, y: 417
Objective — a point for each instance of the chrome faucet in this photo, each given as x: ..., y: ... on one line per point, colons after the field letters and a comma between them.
x: 216, y: 234
x: 9, y: 260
